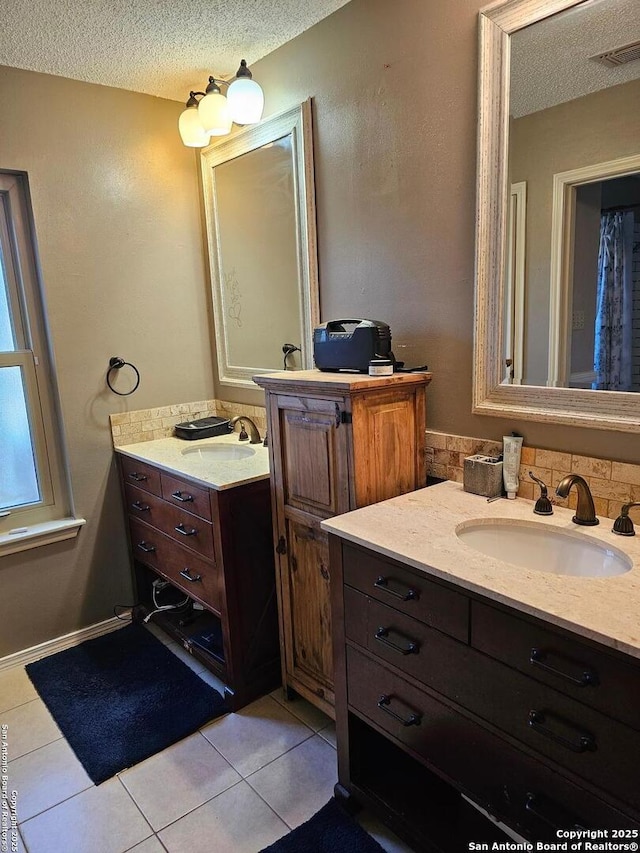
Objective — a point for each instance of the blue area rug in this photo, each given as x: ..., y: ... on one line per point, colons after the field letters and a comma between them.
x: 121, y: 698
x: 331, y: 830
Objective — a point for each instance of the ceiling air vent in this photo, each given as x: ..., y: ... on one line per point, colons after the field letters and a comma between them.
x: 619, y: 55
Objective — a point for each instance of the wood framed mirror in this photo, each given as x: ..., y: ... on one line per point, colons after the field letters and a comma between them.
x: 261, y: 228
x: 547, y: 31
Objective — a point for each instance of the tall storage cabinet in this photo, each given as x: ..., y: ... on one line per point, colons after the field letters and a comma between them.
x: 337, y: 442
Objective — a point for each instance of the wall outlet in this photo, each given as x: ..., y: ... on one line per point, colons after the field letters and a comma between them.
x: 578, y: 321
x: 159, y: 584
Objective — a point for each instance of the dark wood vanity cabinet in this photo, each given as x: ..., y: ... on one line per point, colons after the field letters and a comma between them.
x: 337, y: 442
x: 215, y: 547
x: 461, y: 695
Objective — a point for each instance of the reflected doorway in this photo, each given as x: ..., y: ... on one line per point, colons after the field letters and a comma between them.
x: 605, y: 316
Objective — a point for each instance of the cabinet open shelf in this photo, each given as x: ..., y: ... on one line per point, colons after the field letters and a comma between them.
x: 429, y: 813
x: 198, y: 631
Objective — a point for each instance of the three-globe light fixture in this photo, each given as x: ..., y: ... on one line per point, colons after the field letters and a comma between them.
x: 214, y: 113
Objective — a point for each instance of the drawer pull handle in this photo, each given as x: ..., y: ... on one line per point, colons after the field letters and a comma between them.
x: 382, y: 635
x: 585, y: 742
x: 182, y: 497
x: 139, y: 478
x: 186, y: 574
x: 538, y: 658
x: 140, y: 506
x: 549, y: 813
x: 383, y: 584
x: 146, y: 547
x: 183, y: 530
x: 412, y: 720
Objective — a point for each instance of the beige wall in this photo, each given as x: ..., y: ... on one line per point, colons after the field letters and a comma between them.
x: 547, y: 142
x: 115, y: 201
x: 394, y: 89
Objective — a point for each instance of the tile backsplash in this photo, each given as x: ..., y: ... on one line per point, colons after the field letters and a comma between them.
x: 148, y: 424
x: 612, y: 483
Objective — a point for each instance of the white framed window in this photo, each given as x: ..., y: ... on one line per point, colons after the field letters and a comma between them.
x: 35, y: 498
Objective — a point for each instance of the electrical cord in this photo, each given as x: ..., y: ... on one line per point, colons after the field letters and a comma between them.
x: 160, y: 607
x: 288, y: 349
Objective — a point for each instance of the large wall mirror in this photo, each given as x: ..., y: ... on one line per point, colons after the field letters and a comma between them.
x: 260, y: 217
x: 558, y: 220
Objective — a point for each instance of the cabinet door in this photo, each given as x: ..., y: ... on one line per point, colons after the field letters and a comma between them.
x: 312, y: 474
x: 307, y: 614
x: 311, y: 482
x: 388, y: 443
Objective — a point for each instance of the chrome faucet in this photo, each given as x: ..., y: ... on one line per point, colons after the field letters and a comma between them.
x: 585, y: 511
x: 253, y: 429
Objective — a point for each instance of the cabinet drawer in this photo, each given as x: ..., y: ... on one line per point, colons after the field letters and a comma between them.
x: 588, y: 675
x: 515, y: 787
x: 197, y: 577
x: 140, y: 474
x: 191, y: 498
x: 404, y: 643
x: 408, y: 592
x: 187, y: 529
x: 574, y: 736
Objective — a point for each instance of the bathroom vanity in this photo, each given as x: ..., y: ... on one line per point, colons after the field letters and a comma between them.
x: 460, y: 674
x: 199, y: 517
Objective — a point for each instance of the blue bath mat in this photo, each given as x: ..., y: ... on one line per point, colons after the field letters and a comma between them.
x: 121, y: 698
x: 330, y: 830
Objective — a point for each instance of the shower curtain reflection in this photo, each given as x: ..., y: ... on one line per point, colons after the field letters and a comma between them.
x: 614, y: 312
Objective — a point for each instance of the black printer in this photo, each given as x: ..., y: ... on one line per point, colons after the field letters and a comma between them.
x: 351, y: 344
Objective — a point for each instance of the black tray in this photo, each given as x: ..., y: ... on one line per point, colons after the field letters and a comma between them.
x: 202, y: 428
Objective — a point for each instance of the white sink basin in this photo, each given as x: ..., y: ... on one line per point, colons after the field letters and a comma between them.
x: 537, y: 546
x: 219, y: 452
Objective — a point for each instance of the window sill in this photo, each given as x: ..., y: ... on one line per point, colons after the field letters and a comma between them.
x: 36, y: 535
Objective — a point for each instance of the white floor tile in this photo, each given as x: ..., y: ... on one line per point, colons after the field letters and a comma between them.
x: 178, y: 780
x: 305, y: 711
x: 256, y: 735
x: 237, y: 821
x: 30, y: 727
x: 15, y: 688
x: 46, y: 777
x: 300, y: 782
x: 159, y: 634
x: 186, y: 657
x: 99, y: 820
x: 212, y: 680
x: 151, y: 845
x: 329, y: 734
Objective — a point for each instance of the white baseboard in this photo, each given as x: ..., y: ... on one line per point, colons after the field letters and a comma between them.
x: 58, y: 644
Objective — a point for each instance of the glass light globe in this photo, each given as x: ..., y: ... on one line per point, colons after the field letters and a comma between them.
x: 246, y: 101
x: 213, y: 111
x: 191, y: 130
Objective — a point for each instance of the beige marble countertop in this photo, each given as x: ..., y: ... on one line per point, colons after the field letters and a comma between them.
x: 179, y: 457
x: 419, y: 529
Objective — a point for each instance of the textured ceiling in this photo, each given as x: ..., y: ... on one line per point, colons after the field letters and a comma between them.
x: 550, y: 61
x: 161, y: 47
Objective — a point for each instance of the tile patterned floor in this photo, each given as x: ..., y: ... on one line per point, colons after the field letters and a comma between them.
x: 241, y: 782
